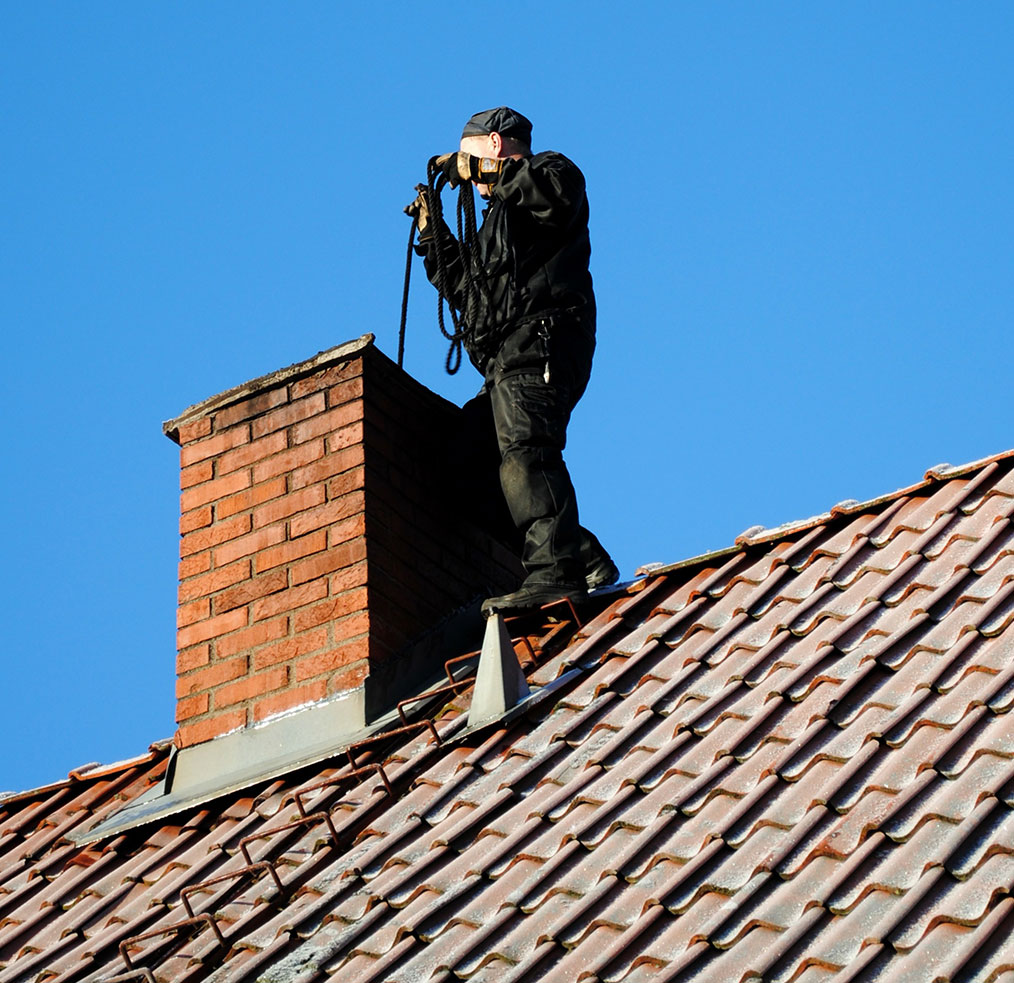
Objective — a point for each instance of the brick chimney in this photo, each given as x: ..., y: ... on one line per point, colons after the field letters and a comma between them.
x: 319, y: 540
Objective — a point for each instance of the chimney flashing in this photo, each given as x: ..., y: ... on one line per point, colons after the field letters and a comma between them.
x: 200, y: 773
x: 297, y: 738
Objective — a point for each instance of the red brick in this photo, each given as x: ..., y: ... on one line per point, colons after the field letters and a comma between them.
x: 355, y: 624
x: 216, y: 580
x: 349, y: 577
x: 193, y: 658
x: 334, y: 559
x: 326, y: 662
x: 211, y: 491
x: 329, y: 422
x: 194, y: 565
x: 349, y: 529
x: 204, y: 730
x: 245, y: 545
x: 288, y: 415
x: 192, y: 706
x: 214, y: 675
x: 220, y: 532
x: 331, y: 610
x: 290, y: 648
x: 243, y: 457
x: 212, y: 628
x: 333, y: 464
x: 292, y: 550
x: 245, y: 689
x: 251, y: 590
x: 329, y: 377
x: 268, y: 706
x: 295, y: 457
x: 214, y: 446
x: 328, y: 513
x: 248, y: 638
x: 194, y: 430
x: 187, y: 614
x: 296, y: 502
x: 352, y: 677
x: 251, y: 497
x: 345, y: 392
x: 195, y: 519
x: 346, y: 437
x: 254, y: 406
x: 195, y: 474
x: 289, y: 600
x: 350, y: 481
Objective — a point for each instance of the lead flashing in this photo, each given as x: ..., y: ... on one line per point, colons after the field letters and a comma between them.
x: 204, y: 772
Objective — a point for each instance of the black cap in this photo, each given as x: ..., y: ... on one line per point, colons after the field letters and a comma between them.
x: 503, y: 120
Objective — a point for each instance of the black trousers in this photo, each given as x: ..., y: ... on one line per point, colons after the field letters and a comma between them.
x: 515, y: 432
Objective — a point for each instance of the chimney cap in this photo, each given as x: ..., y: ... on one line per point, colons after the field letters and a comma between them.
x: 339, y: 353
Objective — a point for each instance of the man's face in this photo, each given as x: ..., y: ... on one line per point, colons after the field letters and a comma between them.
x: 478, y: 146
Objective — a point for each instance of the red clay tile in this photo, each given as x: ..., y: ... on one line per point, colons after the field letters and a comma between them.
x: 960, y: 903
x: 995, y: 546
x: 653, y: 777
x: 987, y: 952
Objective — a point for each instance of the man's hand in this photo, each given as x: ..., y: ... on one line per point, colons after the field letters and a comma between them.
x: 461, y: 167
x: 420, y: 208
x: 455, y: 167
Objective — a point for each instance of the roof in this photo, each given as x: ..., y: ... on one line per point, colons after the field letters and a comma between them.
x: 792, y: 760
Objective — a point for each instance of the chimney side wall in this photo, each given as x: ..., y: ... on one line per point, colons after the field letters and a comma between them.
x: 426, y: 558
x: 273, y: 599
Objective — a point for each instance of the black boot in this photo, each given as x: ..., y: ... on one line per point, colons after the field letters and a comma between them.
x: 599, y: 569
x: 531, y: 597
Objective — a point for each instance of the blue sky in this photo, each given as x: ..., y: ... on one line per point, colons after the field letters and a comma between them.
x: 801, y: 228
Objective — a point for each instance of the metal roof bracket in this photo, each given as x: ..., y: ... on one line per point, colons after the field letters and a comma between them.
x: 499, y: 682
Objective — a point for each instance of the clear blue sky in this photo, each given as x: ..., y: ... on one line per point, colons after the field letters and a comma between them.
x: 801, y: 227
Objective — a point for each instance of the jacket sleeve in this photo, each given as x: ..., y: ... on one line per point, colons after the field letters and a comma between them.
x: 549, y: 186
x: 443, y: 242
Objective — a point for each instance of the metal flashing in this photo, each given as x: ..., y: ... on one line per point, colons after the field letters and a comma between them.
x: 656, y: 569
x: 204, y: 772
x: 536, y: 696
x: 499, y: 682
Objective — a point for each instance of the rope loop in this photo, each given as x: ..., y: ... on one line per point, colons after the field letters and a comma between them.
x: 473, y: 286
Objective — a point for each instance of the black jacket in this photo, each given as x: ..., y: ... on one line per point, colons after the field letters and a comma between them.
x: 535, y: 249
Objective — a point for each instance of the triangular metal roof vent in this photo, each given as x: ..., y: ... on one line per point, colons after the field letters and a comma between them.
x: 499, y: 682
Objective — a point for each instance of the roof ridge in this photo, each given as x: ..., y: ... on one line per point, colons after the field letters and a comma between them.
x: 756, y: 535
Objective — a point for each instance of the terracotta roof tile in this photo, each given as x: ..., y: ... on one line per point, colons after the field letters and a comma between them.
x: 793, y: 759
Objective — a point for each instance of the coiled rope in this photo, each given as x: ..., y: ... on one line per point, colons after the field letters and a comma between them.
x: 474, y: 288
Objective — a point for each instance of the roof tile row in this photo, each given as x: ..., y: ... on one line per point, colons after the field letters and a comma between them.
x: 793, y: 761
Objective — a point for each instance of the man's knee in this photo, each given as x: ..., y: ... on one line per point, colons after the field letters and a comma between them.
x: 535, y: 483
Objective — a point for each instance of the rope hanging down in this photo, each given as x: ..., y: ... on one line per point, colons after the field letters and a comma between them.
x: 467, y: 243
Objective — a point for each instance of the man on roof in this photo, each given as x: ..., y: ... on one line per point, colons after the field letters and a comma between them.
x: 531, y: 334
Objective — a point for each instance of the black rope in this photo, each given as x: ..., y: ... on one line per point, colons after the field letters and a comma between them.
x: 467, y: 242
x: 404, y: 296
